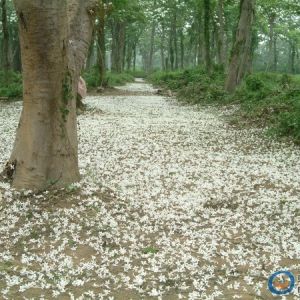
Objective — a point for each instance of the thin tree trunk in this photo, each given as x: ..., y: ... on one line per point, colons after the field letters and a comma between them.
x: 5, y: 46
x: 292, y: 57
x: 242, y: 47
x: 221, y: 34
x: 153, y: 30
x: 171, y: 51
x: 175, y: 39
x: 162, y: 49
x: 45, y: 149
x: 207, y: 35
x: 134, y: 57
x: 101, y: 43
x: 181, y: 49
x: 90, y: 58
x: 275, y: 54
x: 271, y: 60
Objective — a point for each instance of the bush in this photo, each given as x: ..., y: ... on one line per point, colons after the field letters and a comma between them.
x: 111, y: 79
x: 194, y: 85
x: 137, y: 73
x: 114, y: 79
x: 254, y: 83
x: 11, y: 85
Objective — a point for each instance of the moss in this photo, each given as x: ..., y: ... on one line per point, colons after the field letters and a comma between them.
x: 67, y: 88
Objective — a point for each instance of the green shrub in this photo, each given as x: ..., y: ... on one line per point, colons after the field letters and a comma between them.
x: 254, y: 83
x: 114, y: 79
x: 91, y: 78
x: 111, y: 79
x: 11, y: 85
x: 137, y: 73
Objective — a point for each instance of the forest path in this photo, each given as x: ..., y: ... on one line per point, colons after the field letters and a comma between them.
x: 173, y: 202
x: 221, y: 205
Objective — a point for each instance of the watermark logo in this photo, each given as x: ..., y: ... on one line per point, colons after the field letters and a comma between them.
x: 281, y: 283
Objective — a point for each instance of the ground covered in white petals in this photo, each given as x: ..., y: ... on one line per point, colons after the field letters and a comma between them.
x: 174, y: 204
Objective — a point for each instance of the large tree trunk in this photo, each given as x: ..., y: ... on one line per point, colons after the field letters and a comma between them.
x: 55, y: 39
x: 5, y: 46
x: 242, y: 47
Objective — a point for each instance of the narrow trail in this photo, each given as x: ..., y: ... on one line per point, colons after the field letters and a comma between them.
x: 199, y: 210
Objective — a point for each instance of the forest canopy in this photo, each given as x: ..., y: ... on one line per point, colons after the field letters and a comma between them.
x: 170, y: 34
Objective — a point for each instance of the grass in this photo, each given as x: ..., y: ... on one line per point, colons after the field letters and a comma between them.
x: 150, y: 250
x: 265, y: 99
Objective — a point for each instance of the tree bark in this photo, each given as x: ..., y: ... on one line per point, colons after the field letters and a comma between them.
x: 207, y: 35
x: 5, y: 46
x: 272, y: 47
x: 221, y: 43
x: 162, y: 48
x: 118, y: 45
x: 55, y: 37
x: 153, y: 31
x: 101, y: 43
x: 292, y: 57
x: 134, y: 56
x: 181, y: 49
x: 241, y: 51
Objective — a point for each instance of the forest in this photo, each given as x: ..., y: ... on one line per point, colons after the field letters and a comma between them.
x: 149, y: 149
x: 201, y: 49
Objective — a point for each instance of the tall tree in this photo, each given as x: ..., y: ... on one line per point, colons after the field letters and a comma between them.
x: 241, y: 51
x: 5, y: 56
x: 207, y: 34
x: 101, y: 41
x: 55, y: 37
x: 221, y: 43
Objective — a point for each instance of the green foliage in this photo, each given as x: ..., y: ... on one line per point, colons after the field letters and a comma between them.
x: 114, y: 79
x: 137, y: 73
x: 11, y: 85
x: 272, y: 100
x: 111, y: 79
x: 193, y: 86
x: 67, y: 88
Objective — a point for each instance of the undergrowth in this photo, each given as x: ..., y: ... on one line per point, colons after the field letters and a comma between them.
x: 10, y: 85
x: 264, y: 99
x: 111, y: 79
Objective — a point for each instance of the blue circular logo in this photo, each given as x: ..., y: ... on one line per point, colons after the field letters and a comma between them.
x: 281, y: 283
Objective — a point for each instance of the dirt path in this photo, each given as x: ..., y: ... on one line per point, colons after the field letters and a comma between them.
x: 174, y: 204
